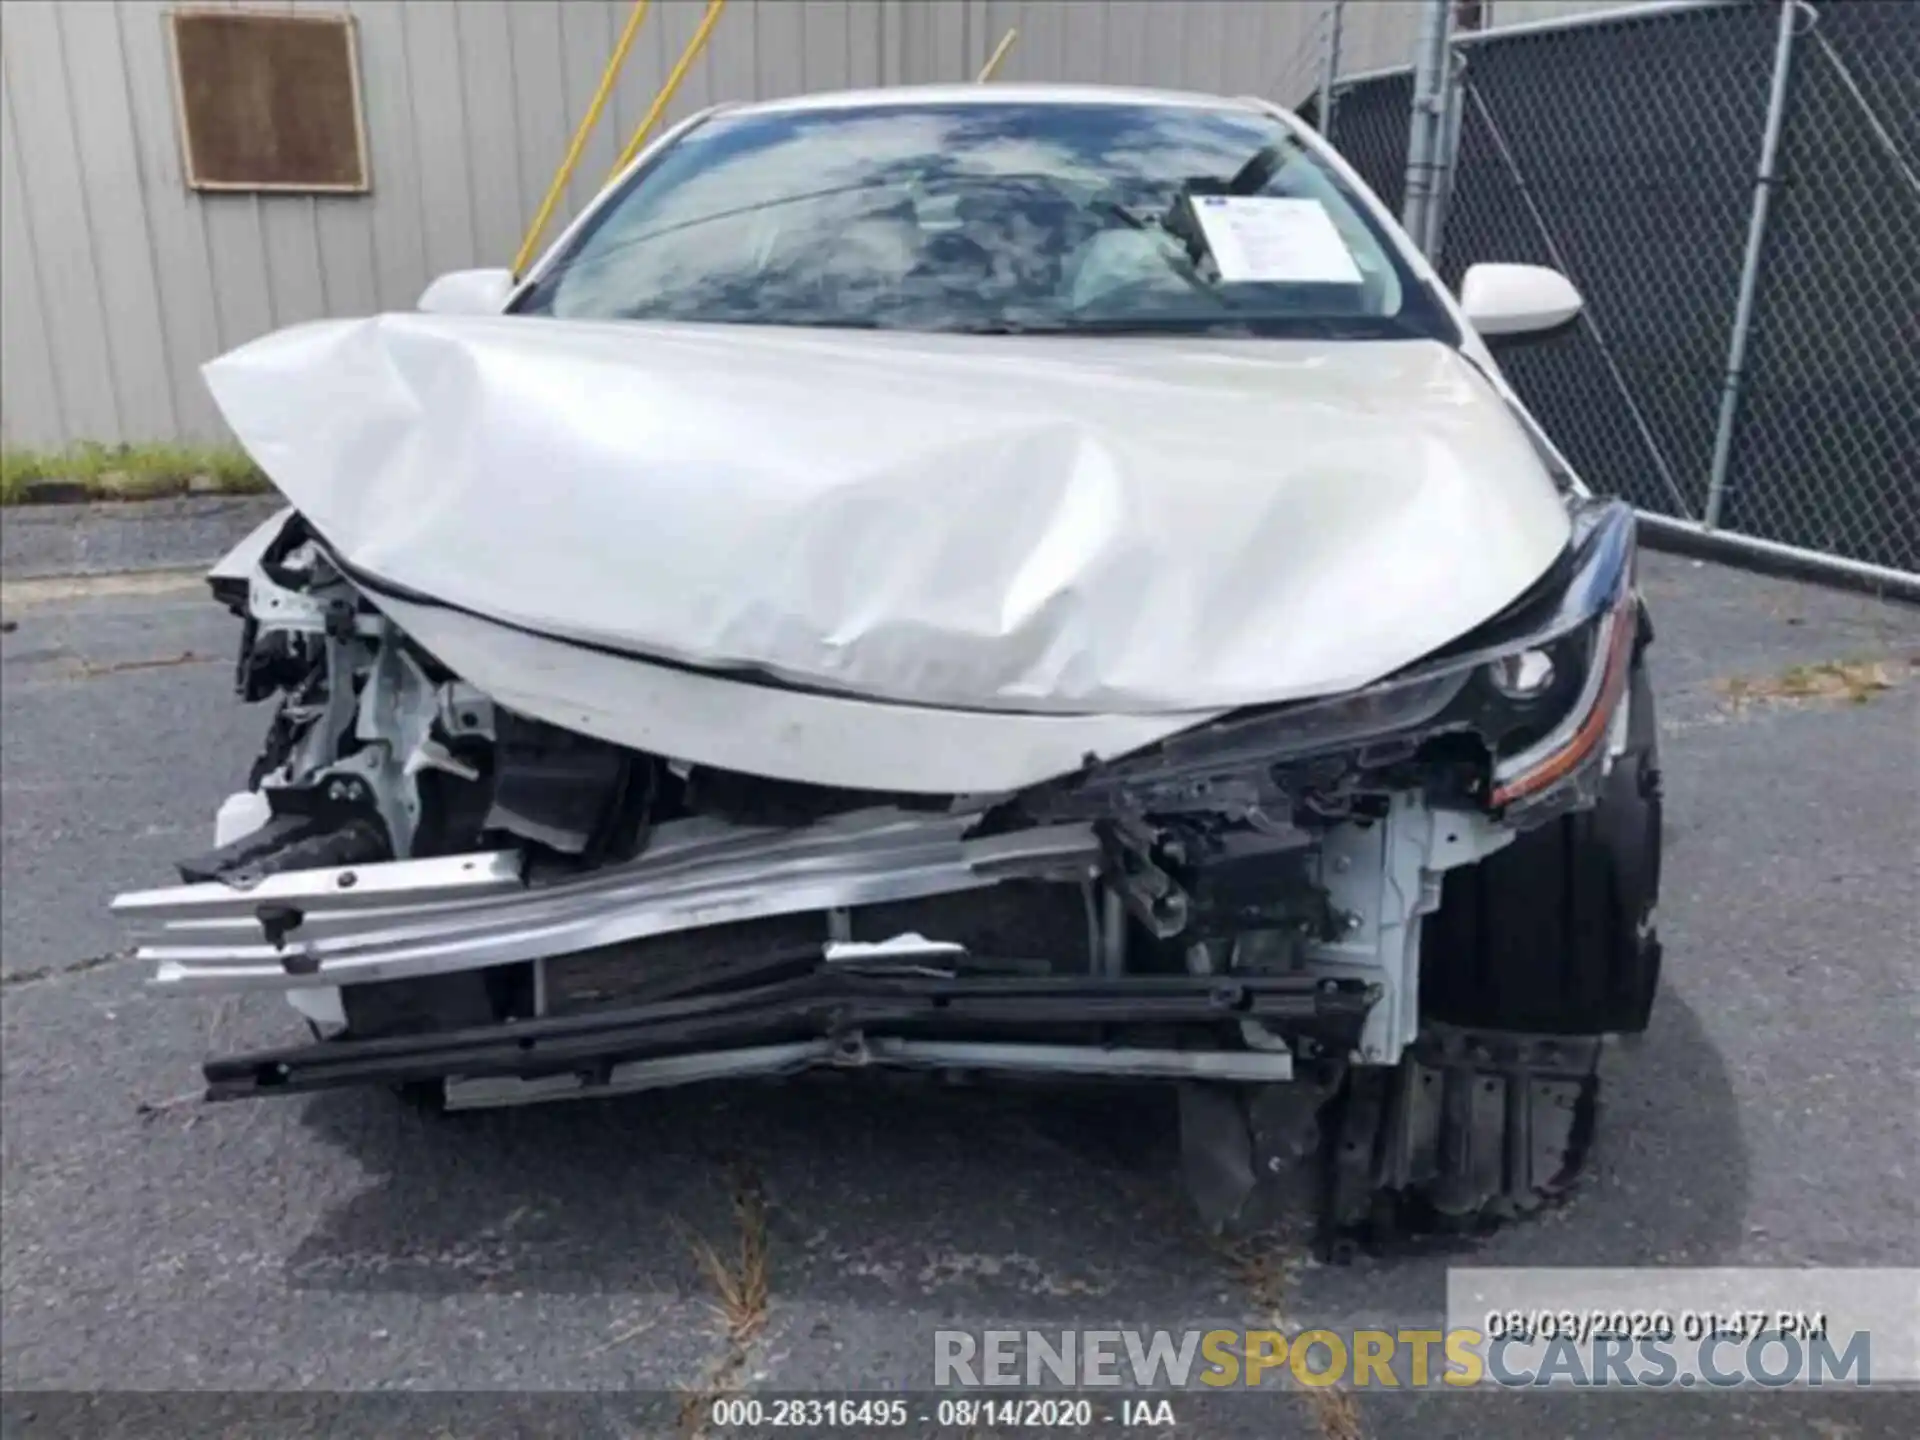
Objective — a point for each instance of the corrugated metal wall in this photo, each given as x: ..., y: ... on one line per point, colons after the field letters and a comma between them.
x: 116, y: 281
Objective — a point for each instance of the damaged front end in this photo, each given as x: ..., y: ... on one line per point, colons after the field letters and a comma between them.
x: 454, y: 891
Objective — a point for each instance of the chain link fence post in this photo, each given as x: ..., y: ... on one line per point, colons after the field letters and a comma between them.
x: 1750, y: 264
x: 1330, y: 65
x: 1452, y: 109
x: 1424, y: 142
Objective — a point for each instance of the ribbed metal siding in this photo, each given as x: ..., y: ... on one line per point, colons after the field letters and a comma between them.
x: 117, y: 282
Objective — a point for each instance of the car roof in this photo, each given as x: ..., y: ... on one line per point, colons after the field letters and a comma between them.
x: 907, y: 96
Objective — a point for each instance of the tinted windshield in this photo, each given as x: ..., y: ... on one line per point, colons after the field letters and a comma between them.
x: 993, y: 217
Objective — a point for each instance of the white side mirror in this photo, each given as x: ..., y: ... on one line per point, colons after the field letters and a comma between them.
x: 468, y: 292
x: 1517, y: 299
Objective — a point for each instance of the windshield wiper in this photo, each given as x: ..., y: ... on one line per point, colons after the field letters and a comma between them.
x: 1117, y: 325
x: 1240, y: 326
x: 1266, y: 162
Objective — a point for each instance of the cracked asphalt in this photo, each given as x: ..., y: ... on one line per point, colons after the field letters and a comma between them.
x: 547, y: 1259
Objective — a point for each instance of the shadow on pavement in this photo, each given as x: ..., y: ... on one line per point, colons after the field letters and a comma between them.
x: 1044, y: 1202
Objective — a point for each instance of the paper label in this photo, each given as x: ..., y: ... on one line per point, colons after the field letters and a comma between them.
x: 1268, y: 240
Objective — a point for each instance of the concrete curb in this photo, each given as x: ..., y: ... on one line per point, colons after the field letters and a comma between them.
x: 137, y: 535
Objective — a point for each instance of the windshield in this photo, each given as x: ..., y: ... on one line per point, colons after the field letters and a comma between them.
x: 1000, y: 217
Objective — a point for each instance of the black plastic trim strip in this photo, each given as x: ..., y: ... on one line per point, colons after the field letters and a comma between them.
x: 826, y: 1003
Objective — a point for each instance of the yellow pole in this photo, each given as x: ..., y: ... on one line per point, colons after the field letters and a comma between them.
x: 992, y: 67
x: 674, y: 77
x: 579, y: 142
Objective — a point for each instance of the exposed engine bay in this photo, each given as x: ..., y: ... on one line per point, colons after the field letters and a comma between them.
x: 453, y: 891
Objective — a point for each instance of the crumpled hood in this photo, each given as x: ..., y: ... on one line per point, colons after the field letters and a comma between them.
x: 1027, y: 523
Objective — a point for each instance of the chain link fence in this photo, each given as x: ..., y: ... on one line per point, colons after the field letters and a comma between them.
x: 1626, y: 151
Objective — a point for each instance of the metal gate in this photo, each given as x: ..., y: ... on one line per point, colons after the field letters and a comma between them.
x: 1734, y: 186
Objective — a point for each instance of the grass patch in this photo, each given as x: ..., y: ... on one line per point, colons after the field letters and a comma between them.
x: 92, y: 471
x: 741, y: 1294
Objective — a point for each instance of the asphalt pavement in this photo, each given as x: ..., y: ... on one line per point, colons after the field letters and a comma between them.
x: 115, y: 537
x: 558, y: 1258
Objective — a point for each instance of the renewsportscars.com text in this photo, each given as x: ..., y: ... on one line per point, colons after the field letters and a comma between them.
x: 1391, y: 1359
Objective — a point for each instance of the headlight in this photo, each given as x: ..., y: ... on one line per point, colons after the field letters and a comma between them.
x: 1574, y: 734
x: 1523, y: 675
x: 1545, y: 693
x: 1518, y: 698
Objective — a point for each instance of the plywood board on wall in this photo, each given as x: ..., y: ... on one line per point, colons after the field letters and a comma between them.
x: 268, y: 101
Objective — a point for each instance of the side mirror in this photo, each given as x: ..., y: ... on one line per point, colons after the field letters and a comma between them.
x: 1516, y: 300
x: 468, y: 292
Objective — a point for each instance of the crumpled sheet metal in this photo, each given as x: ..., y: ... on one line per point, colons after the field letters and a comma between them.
x: 1064, y: 525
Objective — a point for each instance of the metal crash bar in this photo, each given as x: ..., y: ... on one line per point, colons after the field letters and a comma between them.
x: 452, y: 913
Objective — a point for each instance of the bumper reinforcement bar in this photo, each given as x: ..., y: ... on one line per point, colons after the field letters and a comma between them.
x: 351, y: 925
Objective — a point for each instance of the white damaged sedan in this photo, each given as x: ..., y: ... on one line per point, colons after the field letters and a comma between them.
x: 983, y: 580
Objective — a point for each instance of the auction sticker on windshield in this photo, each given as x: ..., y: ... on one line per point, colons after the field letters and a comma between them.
x: 1268, y: 240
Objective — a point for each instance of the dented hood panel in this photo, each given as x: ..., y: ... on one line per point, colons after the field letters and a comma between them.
x: 1100, y: 526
